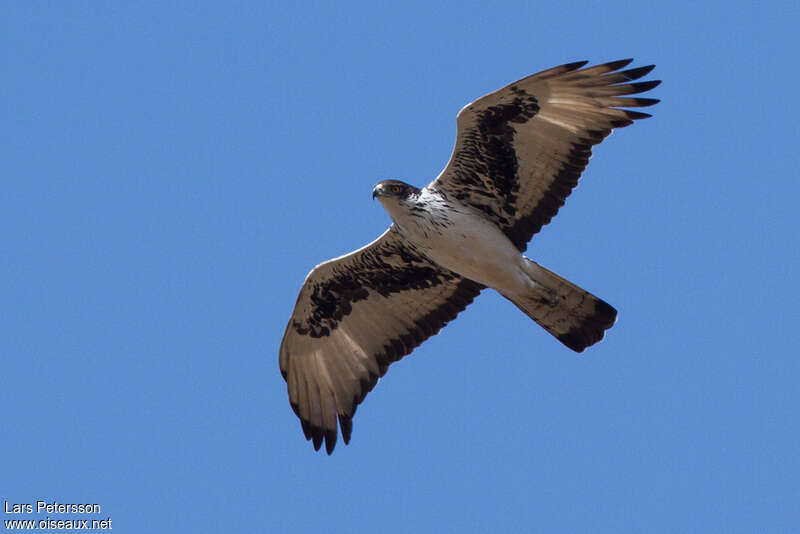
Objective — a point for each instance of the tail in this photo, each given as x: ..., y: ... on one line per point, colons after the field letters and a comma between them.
x: 575, y: 317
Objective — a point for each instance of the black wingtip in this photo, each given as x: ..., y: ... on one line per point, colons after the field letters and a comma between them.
x: 645, y: 102
x: 316, y: 438
x: 618, y: 64
x: 330, y: 441
x: 575, y: 65
x: 621, y: 123
x: 296, y: 410
x: 641, y: 87
x: 346, y: 425
x: 312, y: 433
x: 637, y: 115
x: 307, y: 430
x: 638, y: 72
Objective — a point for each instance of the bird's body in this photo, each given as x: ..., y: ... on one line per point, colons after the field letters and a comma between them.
x: 457, y: 238
x: 519, y: 153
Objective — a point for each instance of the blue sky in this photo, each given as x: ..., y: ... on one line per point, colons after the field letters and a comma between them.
x: 172, y: 172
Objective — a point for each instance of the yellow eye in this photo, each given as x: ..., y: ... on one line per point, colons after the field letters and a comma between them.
x: 395, y: 188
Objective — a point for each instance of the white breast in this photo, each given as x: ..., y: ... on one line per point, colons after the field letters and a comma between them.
x: 463, y: 241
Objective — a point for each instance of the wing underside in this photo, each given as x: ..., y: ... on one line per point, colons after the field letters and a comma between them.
x: 354, y: 316
x: 520, y: 150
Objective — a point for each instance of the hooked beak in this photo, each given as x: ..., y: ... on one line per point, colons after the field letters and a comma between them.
x: 377, y: 191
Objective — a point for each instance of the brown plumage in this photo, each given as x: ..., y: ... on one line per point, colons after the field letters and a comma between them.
x: 519, y: 153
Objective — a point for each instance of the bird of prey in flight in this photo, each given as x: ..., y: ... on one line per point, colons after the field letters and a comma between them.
x: 519, y: 153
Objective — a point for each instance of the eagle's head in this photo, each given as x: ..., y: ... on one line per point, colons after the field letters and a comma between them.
x: 396, y: 197
x: 394, y: 189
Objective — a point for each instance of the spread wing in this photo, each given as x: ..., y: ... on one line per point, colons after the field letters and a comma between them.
x: 355, y: 315
x: 520, y: 150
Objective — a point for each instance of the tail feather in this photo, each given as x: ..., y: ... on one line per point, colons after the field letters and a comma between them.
x: 572, y: 315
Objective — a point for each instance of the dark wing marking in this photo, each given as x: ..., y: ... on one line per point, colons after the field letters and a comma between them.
x: 355, y: 315
x: 520, y: 150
